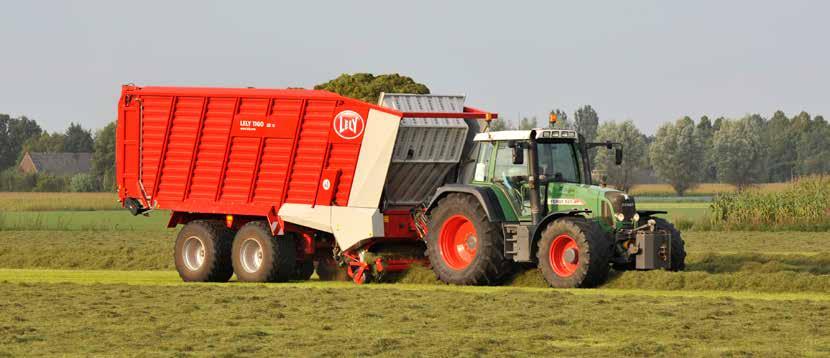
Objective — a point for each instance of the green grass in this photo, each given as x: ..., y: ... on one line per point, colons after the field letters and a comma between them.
x: 103, y: 220
x: 726, y: 261
x: 310, y: 320
x: 57, y: 201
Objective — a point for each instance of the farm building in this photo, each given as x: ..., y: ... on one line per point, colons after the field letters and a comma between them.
x: 56, y: 163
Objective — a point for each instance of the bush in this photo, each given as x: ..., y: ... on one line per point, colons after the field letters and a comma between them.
x: 83, y: 183
x: 13, y: 180
x: 803, y: 205
x: 51, y: 183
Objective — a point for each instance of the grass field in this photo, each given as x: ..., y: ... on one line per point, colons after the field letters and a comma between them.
x: 103, y: 283
x: 705, y: 189
x: 57, y: 201
x: 316, y: 319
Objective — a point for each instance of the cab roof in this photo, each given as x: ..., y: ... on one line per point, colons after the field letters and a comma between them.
x: 525, y: 134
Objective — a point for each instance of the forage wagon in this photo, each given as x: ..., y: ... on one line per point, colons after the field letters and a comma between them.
x: 273, y: 184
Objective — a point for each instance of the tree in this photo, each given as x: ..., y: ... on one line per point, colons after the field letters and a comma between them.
x: 586, y: 122
x: 635, y: 153
x: 13, y: 133
x: 706, y: 134
x: 528, y: 123
x: 103, y: 157
x: 781, y: 157
x: 562, y: 121
x: 499, y: 124
x: 676, y: 155
x: 45, y: 142
x: 739, y: 152
x: 367, y: 87
x: 812, y: 148
x: 78, y: 139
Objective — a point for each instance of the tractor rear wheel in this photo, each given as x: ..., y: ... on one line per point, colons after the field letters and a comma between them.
x: 203, y: 252
x: 573, y: 252
x: 463, y: 246
x: 259, y: 256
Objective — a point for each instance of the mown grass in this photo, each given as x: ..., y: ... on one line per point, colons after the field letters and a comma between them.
x: 284, y: 320
x: 705, y: 189
x: 736, y: 261
x: 57, y: 201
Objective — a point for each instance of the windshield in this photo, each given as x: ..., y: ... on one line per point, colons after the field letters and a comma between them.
x: 559, y: 162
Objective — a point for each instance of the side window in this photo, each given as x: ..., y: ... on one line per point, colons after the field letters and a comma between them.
x: 565, y: 163
x: 483, y: 163
x: 505, y: 169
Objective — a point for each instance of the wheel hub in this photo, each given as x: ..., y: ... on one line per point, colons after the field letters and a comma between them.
x: 458, y: 242
x: 194, y: 253
x: 564, y: 255
x: 251, y: 255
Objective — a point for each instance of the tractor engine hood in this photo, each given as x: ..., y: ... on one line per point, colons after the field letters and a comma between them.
x: 622, y: 203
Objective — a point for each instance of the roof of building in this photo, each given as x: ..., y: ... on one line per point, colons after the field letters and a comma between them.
x: 62, y: 163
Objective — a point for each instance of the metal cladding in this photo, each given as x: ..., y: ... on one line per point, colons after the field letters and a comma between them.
x: 237, y: 151
x: 427, y: 150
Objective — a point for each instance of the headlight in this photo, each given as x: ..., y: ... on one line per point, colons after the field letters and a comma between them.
x: 636, y: 218
x: 620, y: 217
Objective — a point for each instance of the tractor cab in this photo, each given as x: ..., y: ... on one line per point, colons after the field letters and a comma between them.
x: 549, y: 167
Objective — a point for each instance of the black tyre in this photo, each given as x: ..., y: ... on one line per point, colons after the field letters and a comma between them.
x: 303, y: 270
x: 203, y: 252
x: 259, y: 256
x: 328, y: 270
x: 573, y: 252
x: 678, y: 246
x: 463, y: 246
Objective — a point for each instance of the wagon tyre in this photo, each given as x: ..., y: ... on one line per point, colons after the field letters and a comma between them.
x: 328, y: 270
x: 572, y: 253
x: 203, y: 252
x: 259, y: 256
x: 463, y: 246
x: 303, y: 270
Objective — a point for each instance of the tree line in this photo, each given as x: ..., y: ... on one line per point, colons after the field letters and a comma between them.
x: 683, y: 153
x: 739, y: 151
x: 19, y: 135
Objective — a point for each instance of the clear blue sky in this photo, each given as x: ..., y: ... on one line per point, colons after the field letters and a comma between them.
x: 649, y: 61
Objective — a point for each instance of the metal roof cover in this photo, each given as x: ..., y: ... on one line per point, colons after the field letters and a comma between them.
x: 426, y: 149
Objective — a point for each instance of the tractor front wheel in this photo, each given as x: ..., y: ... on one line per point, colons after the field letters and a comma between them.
x: 573, y: 253
x: 463, y: 246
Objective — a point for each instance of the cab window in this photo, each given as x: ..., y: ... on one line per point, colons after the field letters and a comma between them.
x: 559, y: 162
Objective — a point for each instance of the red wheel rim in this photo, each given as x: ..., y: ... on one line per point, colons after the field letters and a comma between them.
x: 458, y: 242
x: 564, y: 255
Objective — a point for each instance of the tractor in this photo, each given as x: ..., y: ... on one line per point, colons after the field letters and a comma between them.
x: 531, y: 200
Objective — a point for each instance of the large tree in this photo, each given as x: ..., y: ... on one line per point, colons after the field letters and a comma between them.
x: 813, y: 148
x: 13, y: 133
x: 780, y: 158
x: 103, y: 157
x: 738, y: 152
x: 586, y: 122
x: 677, y: 155
x: 706, y: 133
x: 635, y: 153
x: 78, y: 139
x: 367, y: 87
x: 45, y: 142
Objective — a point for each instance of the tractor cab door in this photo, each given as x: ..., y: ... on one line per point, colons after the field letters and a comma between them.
x: 496, y: 168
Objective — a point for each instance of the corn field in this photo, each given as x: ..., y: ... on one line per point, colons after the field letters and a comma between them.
x: 803, y: 205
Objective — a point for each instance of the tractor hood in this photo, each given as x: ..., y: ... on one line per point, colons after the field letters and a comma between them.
x: 603, y: 202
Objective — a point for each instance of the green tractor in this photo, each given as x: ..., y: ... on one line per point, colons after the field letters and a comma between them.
x: 531, y: 201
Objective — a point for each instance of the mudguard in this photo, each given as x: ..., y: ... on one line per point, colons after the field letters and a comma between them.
x: 485, y: 196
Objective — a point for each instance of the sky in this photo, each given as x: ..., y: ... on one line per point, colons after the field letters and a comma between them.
x: 647, y: 61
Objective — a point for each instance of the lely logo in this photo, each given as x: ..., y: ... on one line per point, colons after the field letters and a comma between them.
x: 348, y: 124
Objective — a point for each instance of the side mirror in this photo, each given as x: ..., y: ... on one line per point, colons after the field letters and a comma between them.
x: 518, y: 155
x: 618, y: 156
